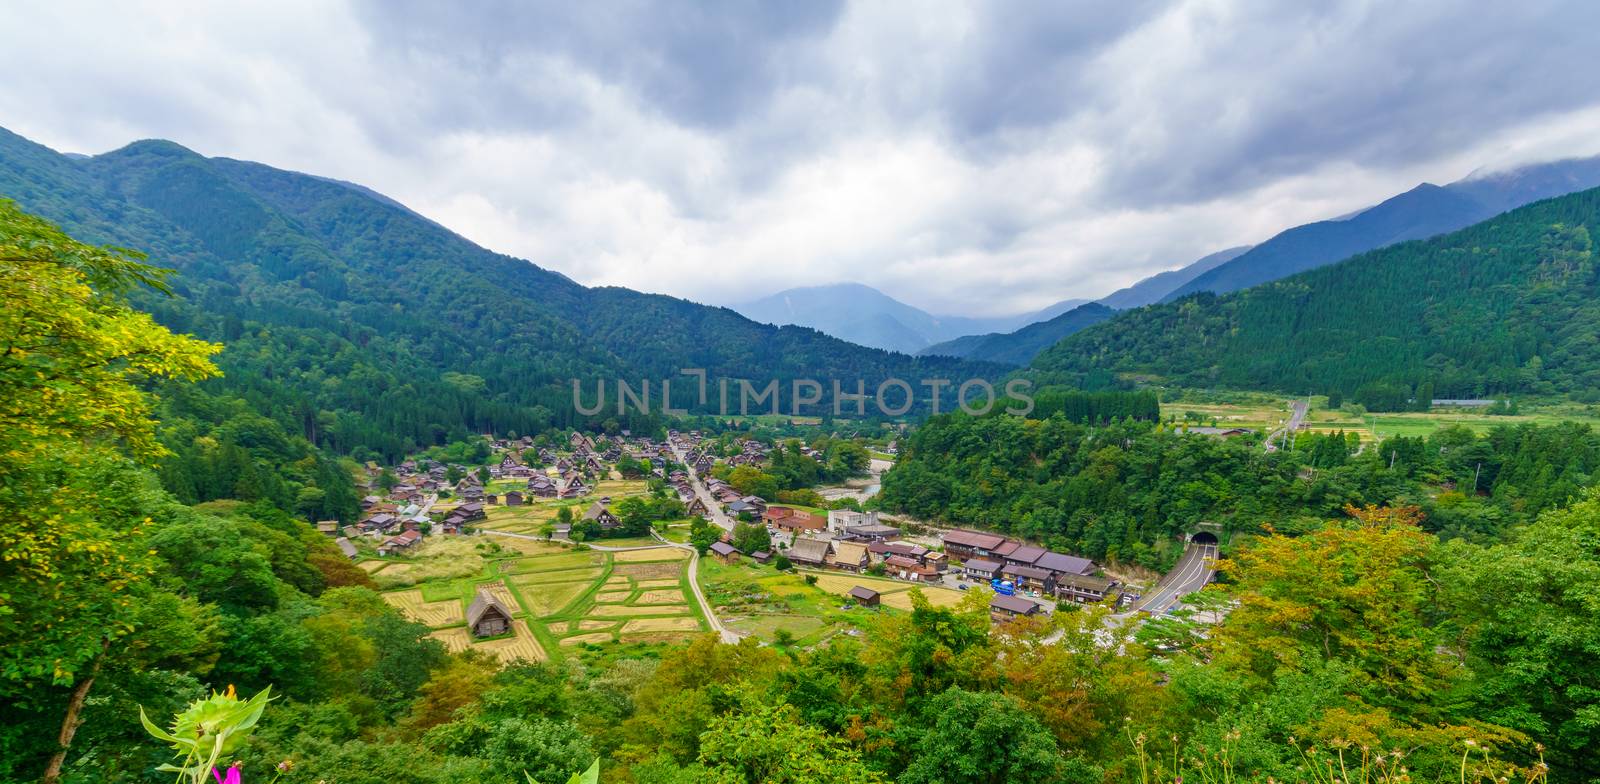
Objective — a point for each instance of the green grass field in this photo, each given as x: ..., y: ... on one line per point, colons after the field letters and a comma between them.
x: 1265, y: 413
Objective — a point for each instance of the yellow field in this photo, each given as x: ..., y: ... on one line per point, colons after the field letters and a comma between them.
x: 617, y: 583
x: 589, y: 626
x: 653, y: 554
x: 521, y: 647
x: 648, y: 571
x: 544, y: 599
x: 498, y: 590
x: 673, y: 596
x: 455, y: 639
x: 583, y: 638
x: 648, y: 584
x: 938, y: 597
x: 372, y: 566
x: 430, y: 613
x: 662, y: 625
x: 618, y: 610
x: 894, y: 592
x: 612, y: 597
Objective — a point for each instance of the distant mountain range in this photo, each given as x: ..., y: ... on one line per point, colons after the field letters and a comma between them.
x: 1508, y: 305
x: 866, y: 316
x: 1424, y: 211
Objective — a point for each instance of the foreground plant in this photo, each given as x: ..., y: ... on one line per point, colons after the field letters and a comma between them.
x: 210, y: 730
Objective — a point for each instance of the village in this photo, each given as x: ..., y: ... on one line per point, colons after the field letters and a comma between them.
x: 542, y: 549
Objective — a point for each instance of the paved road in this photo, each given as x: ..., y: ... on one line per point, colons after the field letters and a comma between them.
x: 718, y: 516
x: 1192, y: 572
x: 1297, y: 416
x: 728, y: 635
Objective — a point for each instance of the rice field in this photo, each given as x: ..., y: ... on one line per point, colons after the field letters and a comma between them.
x: 440, y: 613
x: 661, y: 625
x: 519, y: 647
x: 649, y: 571
x: 580, y: 639
x: 612, y: 597
x: 662, y: 596
x: 654, y: 554
x: 627, y: 611
x: 543, y: 599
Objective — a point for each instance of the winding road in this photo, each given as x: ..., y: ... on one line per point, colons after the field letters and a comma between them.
x: 1297, y: 416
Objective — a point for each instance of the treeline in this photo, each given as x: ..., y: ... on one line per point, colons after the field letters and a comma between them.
x: 1507, y: 306
x: 1122, y: 492
x: 1096, y: 407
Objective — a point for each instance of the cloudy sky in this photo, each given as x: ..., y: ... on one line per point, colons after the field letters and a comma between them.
x: 977, y: 159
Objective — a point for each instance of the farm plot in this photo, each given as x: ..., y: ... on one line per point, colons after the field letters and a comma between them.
x: 550, y: 563
x: 628, y: 611
x: 581, y: 639
x: 661, y: 625
x: 649, y: 571
x: 541, y: 599
x: 372, y: 566
x: 661, y: 596
x: 455, y: 639
x: 653, y: 554
x: 499, y: 591
x: 440, y: 613
x: 519, y: 647
x: 528, y: 546
x: 612, y: 597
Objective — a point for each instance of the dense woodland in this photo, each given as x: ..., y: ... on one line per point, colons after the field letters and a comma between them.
x: 1510, y: 305
x: 1128, y: 491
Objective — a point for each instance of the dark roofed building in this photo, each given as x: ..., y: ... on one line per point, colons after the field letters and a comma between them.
x: 981, y: 569
x: 345, y: 546
x: 971, y: 543
x: 1031, y: 577
x: 1083, y: 588
x: 1005, y: 608
x: 866, y: 597
x: 1065, y: 564
x: 724, y: 552
x: 1025, y: 555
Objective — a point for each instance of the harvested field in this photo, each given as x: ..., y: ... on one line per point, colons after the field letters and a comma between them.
x: 661, y: 637
x: 410, y: 602
x: 650, y: 571
x: 613, y: 597
x: 624, y: 611
x: 455, y: 639
x: 522, y: 647
x: 589, y: 626
x: 662, y: 625
x: 649, y: 584
x: 673, y: 596
x: 617, y: 584
x: 597, y: 637
x: 563, y: 576
x: 653, y: 554
x: 498, y: 590
x: 938, y: 597
x: 542, y: 599
x: 372, y: 566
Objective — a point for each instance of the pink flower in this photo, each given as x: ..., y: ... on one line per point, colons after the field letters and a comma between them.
x: 233, y: 775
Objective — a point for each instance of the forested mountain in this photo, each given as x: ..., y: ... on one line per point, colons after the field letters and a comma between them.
x: 363, y: 326
x: 1508, y: 305
x: 1021, y: 346
x: 1157, y: 286
x: 862, y: 314
x: 1422, y: 212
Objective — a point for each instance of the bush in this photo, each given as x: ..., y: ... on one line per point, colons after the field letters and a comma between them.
x: 811, y: 579
x: 782, y: 562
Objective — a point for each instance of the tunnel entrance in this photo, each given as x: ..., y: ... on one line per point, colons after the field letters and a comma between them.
x: 1204, y: 537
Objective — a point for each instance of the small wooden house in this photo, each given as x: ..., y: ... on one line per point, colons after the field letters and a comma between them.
x: 866, y: 597
x: 488, y: 616
x: 725, y: 552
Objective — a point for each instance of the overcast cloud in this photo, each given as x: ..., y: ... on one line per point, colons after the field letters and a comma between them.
x: 969, y: 159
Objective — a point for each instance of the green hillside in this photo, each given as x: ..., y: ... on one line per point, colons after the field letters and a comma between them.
x: 1505, y: 306
x: 364, y: 325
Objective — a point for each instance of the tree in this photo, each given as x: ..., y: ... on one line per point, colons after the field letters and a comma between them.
x: 71, y: 408
x: 1356, y: 592
x: 982, y: 738
x: 768, y: 744
x: 1529, y: 608
x: 750, y: 538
